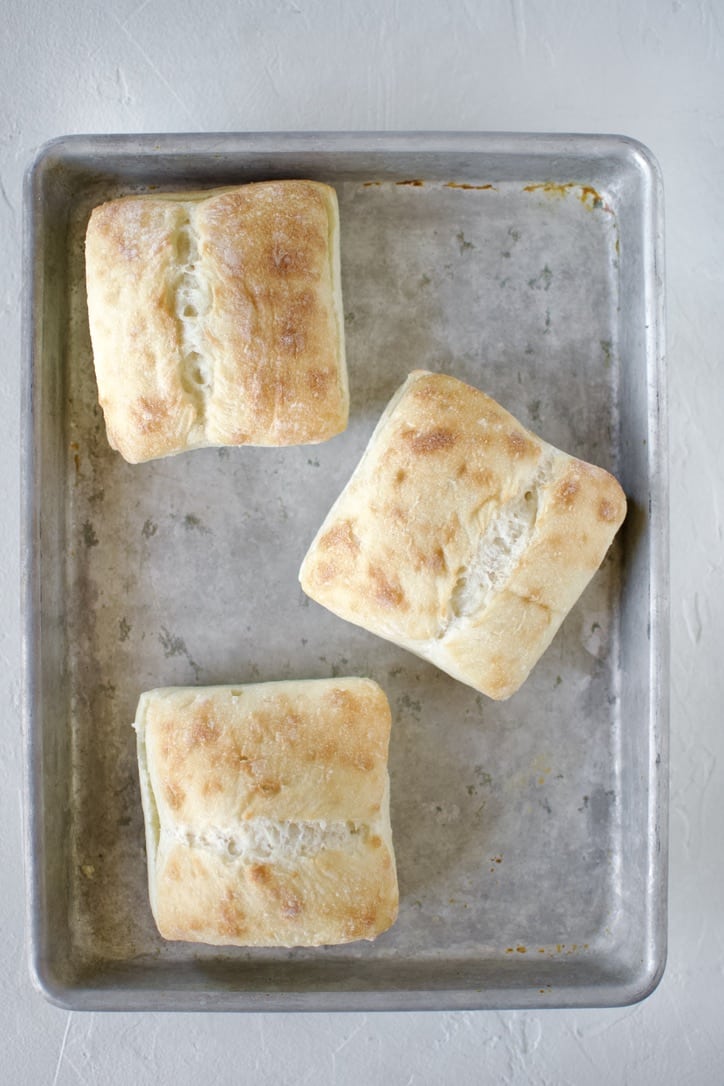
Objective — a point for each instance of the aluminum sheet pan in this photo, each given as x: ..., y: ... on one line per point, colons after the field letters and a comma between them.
x: 531, y: 834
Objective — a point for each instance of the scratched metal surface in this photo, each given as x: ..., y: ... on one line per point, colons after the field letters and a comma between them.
x: 531, y: 858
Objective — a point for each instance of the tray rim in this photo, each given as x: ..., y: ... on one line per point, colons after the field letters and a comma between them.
x: 67, y: 148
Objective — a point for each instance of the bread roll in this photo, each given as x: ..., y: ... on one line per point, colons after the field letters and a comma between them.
x: 461, y: 536
x: 267, y: 812
x: 216, y: 318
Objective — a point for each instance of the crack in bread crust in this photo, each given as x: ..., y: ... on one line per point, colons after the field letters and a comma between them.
x: 190, y: 305
x: 499, y: 548
x: 282, y: 841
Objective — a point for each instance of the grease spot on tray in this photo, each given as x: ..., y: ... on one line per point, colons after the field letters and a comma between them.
x: 176, y: 646
x: 607, y: 348
x: 588, y: 196
x: 89, y: 534
x: 444, y: 814
x: 463, y: 243
x: 543, y: 280
x: 467, y: 186
x: 193, y: 523
x: 406, y: 704
x: 172, y: 646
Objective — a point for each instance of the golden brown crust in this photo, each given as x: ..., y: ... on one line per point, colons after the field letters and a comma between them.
x: 216, y: 318
x: 267, y: 812
x: 462, y: 536
x: 330, y: 898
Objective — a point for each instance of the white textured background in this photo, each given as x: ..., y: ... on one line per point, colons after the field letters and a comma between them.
x: 653, y: 70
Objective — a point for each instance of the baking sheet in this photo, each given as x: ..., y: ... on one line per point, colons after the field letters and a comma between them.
x: 530, y: 834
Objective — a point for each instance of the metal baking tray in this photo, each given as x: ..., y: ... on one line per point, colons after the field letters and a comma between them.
x: 531, y: 834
